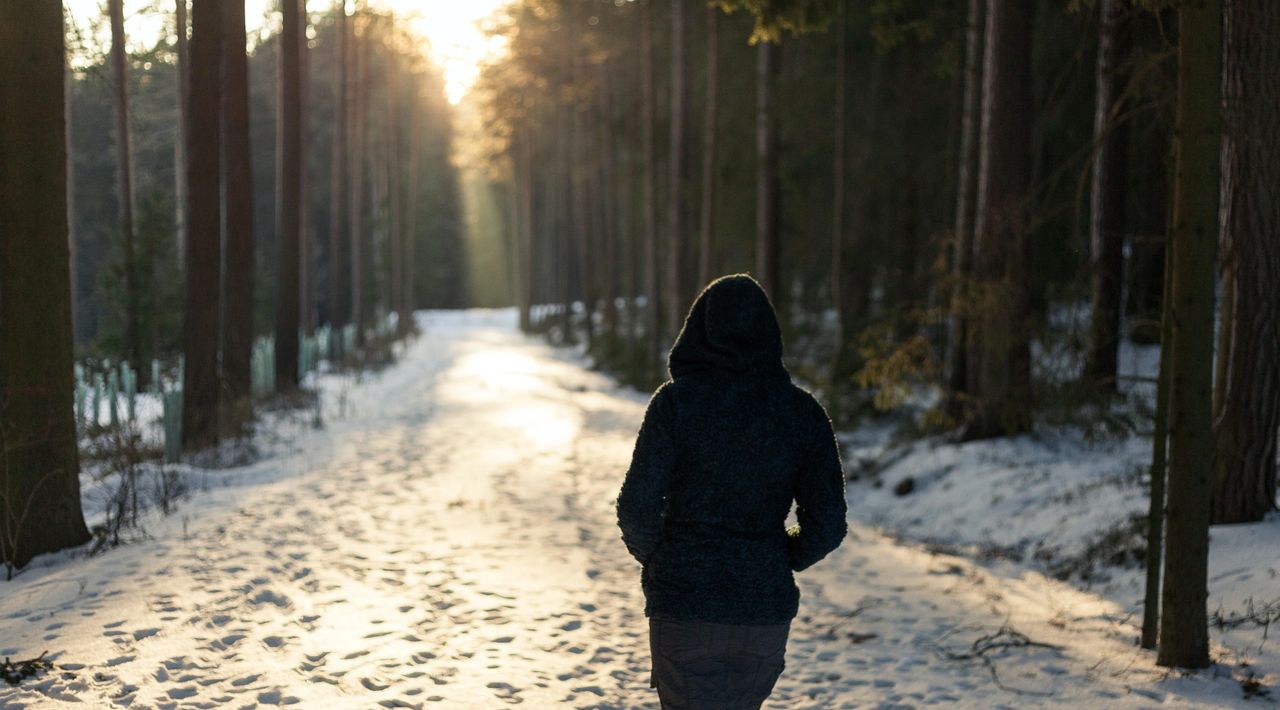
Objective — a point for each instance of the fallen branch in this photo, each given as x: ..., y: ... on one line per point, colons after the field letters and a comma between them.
x: 1261, y: 616
x: 14, y: 673
x: 1003, y: 639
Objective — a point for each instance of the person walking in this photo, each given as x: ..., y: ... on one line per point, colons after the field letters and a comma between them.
x: 727, y: 444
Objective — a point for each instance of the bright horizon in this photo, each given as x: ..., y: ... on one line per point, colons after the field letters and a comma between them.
x: 451, y: 29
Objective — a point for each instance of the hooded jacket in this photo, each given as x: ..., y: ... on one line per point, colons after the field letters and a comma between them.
x: 726, y: 446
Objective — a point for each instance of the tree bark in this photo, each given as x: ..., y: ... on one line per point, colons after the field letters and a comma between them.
x: 39, y: 466
x: 204, y: 230
x: 1110, y: 185
x: 1226, y: 314
x: 1000, y: 363
x: 339, y: 268
x: 1184, y: 635
x: 124, y: 186
x: 958, y: 336
x: 237, y: 191
x: 706, y: 222
x: 1244, y: 481
x: 768, y: 250
x: 289, y: 207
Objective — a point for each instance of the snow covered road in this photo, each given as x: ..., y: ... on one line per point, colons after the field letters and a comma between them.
x: 449, y: 541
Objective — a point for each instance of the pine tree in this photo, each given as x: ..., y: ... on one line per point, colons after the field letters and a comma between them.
x: 39, y: 467
x: 1184, y: 633
x: 204, y: 230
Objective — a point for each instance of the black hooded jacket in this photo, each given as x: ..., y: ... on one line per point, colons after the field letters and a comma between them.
x: 727, y: 444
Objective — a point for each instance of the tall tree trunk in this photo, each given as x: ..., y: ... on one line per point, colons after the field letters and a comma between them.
x: 838, y: 176
x: 706, y: 222
x: 578, y: 184
x: 524, y: 235
x: 411, y: 213
x: 289, y: 207
x: 182, y: 69
x: 237, y: 190
x: 855, y: 291
x: 653, y: 323
x: 395, y: 156
x: 1184, y: 634
x: 768, y: 249
x: 39, y: 467
x: 1159, y: 472
x: 306, y: 236
x: 1244, y: 481
x: 1001, y: 360
x: 204, y: 231
x: 515, y: 227
x: 124, y: 186
x: 379, y: 167
x: 567, y: 228
x: 72, y: 237
x: 958, y: 336
x: 339, y: 269
x: 1110, y: 184
x: 607, y: 203
x: 359, y: 57
x: 677, y: 240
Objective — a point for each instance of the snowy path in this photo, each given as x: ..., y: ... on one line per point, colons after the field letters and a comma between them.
x: 450, y: 543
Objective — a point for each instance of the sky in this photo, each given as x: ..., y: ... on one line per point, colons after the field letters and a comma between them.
x: 454, y: 38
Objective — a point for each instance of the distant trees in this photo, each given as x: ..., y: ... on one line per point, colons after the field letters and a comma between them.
x: 247, y: 273
x: 132, y: 214
x: 39, y: 463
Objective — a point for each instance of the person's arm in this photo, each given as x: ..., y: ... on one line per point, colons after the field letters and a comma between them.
x: 819, y: 494
x: 644, y: 491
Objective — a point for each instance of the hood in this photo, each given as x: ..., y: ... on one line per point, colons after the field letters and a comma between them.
x: 730, y: 327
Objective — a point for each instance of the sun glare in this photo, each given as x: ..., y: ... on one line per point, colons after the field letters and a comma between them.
x: 457, y: 41
x: 451, y: 28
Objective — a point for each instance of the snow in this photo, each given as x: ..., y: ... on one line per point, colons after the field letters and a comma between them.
x: 447, y: 539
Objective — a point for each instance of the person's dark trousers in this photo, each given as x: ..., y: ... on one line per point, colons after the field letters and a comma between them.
x: 703, y: 666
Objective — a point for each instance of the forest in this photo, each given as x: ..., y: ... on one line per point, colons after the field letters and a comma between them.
x: 1035, y: 226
